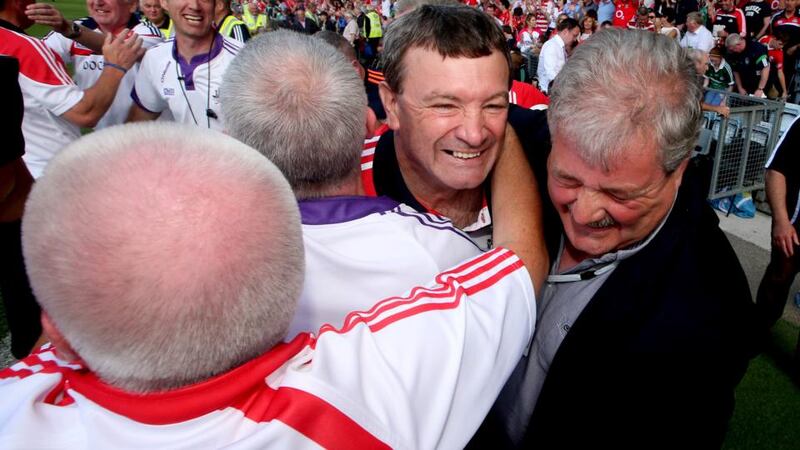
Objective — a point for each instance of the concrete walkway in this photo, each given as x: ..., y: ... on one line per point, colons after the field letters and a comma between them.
x: 751, y: 239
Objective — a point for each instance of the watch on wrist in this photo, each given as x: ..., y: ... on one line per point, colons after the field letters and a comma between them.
x: 74, y: 32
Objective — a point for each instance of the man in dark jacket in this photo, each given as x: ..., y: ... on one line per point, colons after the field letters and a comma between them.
x: 644, y: 323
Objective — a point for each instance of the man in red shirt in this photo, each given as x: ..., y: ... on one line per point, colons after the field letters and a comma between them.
x: 777, y: 80
x: 642, y: 20
x: 788, y: 21
x: 626, y: 11
x: 728, y: 20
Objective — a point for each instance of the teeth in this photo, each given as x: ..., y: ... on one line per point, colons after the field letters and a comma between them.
x: 193, y: 18
x: 462, y: 155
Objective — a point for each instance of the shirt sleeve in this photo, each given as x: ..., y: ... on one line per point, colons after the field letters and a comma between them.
x: 418, y: 371
x: 145, y: 92
x: 60, y: 45
x: 781, y: 160
x: 44, y: 77
x: 150, y: 34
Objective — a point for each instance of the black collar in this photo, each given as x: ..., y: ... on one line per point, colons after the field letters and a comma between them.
x: 11, y: 26
x: 386, y: 173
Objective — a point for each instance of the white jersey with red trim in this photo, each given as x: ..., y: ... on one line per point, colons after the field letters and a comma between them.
x: 88, y: 66
x: 48, y: 92
x: 416, y: 371
x: 361, y: 248
x: 189, y: 90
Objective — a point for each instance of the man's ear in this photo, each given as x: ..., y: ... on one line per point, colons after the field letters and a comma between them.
x: 371, y: 121
x: 389, y: 100
x: 677, y: 175
x: 63, y: 348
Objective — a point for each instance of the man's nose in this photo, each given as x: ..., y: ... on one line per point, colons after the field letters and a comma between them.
x: 473, y: 128
x: 587, y: 207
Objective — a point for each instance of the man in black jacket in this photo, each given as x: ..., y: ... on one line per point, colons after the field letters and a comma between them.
x: 644, y: 323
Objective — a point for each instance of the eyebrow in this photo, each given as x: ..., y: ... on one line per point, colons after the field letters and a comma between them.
x: 440, y: 96
x: 626, y: 192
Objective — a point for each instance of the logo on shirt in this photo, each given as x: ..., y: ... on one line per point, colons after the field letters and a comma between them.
x: 169, y: 92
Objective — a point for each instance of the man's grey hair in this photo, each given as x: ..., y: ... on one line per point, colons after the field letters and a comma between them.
x: 697, y: 56
x: 695, y: 17
x: 299, y: 103
x: 453, y: 31
x: 164, y: 254
x: 624, y: 85
x: 733, y: 40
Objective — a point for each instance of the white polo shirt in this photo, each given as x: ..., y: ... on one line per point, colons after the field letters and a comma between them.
x: 417, y: 371
x: 185, y: 88
x: 48, y: 92
x: 362, y: 248
x: 552, y: 58
x: 88, y: 66
x: 702, y: 39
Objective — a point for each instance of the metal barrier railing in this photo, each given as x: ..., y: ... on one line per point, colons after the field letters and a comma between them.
x: 740, y: 143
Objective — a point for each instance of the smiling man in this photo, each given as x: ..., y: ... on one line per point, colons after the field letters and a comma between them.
x: 105, y: 16
x: 645, y: 319
x: 446, y: 99
x: 183, y: 75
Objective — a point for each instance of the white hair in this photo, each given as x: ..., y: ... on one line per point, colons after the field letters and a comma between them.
x: 164, y: 254
x: 621, y: 85
x: 300, y: 103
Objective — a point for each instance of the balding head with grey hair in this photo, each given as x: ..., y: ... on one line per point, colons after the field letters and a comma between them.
x: 163, y: 254
x: 640, y: 84
x: 300, y: 104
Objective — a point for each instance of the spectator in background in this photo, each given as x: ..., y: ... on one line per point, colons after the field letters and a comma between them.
x: 22, y: 313
x: 727, y: 20
x: 588, y: 28
x: 750, y: 63
x: 642, y: 20
x: 554, y: 52
x: 528, y: 36
x: 590, y: 8
x: 155, y: 14
x: 605, y: 11
x: 757, y: 16
x: 682, y: 10
x: 697, y: 35
x: 573, y: 9
x: 255, y: 19
x: 227, y: 24
x: 666, y: 24
x: 56, y: 108
x: 350, y: 31
x: 718, y: 75
x: 625, y: 13
x: 787, y: 21
x: 776, y: 84
x: 301, y: 23
x: 325, y: 23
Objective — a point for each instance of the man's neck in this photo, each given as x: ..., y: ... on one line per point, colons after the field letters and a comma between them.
x: 115, y: 29
x: 11, y: 18
x: 189, y: 47
x: 570, y: 257
x: 460, y: 206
